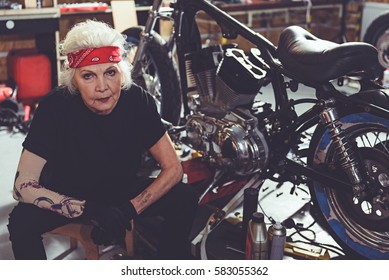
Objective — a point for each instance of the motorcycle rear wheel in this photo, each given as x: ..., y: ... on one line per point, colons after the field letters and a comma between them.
x: 158, y: 77
x: 359, y: 226
x: 377, y: 34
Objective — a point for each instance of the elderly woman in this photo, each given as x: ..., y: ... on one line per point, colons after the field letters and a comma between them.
x: 83, y: 151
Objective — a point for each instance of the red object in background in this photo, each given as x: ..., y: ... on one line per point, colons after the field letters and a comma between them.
x: 200, y: 173
x: 82, y: 7
x: 32, y: 74
x: 196, y: 170
x: 5, y: 92
x: 27, y: 112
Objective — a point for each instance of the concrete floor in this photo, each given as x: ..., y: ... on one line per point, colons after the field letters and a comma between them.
x: 10, y: 148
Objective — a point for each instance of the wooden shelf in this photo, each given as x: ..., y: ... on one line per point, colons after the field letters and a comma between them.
x: 51, y: 12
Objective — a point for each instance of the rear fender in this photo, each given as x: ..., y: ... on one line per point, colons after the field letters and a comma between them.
x: 374, y: 101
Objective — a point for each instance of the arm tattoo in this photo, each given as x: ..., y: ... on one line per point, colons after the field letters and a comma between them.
x: 31, y: 184
x: 27, y: 188
x: 143, y: 199
x: 32, y: 192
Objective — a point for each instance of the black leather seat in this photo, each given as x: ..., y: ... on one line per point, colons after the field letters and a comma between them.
x: 314, y: 60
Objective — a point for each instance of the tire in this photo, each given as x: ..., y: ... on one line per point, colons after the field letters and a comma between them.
x: 359, y: 226
x: 159, y: 77
x: 377, y: 34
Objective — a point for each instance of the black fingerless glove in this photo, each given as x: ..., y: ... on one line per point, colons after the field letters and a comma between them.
x: 110, y: 222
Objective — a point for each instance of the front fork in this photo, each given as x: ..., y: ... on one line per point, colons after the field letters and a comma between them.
x: 345, y: 149
x: 146, y: 37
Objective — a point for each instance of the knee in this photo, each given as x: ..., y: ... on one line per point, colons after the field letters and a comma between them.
x: 21, y: 223
x: 16, y: 224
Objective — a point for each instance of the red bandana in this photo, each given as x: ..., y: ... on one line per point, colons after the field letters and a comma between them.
x: 93, y: 56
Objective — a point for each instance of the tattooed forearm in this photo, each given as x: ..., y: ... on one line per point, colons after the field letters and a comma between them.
x: 30, y: 191
x: 27, y: 188
x: 64, y: 207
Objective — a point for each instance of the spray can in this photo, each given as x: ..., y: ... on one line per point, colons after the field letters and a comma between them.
x: 277, y: 238
x: 257, y: 245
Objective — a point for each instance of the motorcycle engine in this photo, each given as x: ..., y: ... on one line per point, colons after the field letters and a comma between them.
x: 233, y: 142
x: 223, y: 79
x: 225, y: 83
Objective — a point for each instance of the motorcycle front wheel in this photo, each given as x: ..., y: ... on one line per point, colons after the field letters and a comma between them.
x: 158, y: 75
x: 359, y: 226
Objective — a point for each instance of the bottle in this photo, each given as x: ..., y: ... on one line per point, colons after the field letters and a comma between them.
x: 257, y: 241
x: 277, y: 238
x: 250, y: 205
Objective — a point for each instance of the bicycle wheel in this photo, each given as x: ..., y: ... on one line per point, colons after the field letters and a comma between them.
x: 359, y: 225
x: 158, y: 77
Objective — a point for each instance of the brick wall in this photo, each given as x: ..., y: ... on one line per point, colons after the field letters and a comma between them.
x: 12, y: 42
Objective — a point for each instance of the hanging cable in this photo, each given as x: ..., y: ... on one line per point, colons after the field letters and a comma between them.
x: 289, y: 223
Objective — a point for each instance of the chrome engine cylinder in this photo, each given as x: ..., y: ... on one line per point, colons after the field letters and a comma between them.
x: 238, y: 80
x: 224, y: 79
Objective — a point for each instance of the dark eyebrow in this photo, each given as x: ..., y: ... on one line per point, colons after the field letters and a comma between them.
x: 111, y: 68
x: 87, y: 72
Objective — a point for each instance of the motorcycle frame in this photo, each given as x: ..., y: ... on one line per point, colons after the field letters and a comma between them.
x: 185, y: 38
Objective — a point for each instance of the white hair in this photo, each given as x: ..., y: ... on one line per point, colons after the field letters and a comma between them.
x: 91, y: 34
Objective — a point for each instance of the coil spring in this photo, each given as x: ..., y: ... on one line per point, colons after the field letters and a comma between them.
x: 343, y: 147
x: 347, y: 158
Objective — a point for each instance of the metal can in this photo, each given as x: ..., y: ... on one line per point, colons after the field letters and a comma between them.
x: 277, y: 238
x: 257, y: 239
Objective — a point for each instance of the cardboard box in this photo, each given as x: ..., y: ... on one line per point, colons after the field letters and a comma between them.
x: 124, y: 14
x: 47, y: 3
x: 29, y: 4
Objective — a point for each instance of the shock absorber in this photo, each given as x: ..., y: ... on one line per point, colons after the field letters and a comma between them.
x: 344, y: 149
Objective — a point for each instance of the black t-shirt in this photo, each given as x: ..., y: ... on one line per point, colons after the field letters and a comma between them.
x: 91, y: 156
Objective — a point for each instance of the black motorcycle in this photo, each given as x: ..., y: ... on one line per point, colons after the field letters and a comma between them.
x: 211, y: 95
